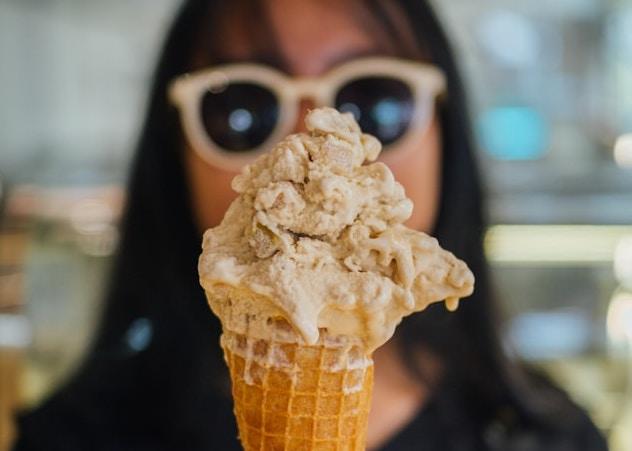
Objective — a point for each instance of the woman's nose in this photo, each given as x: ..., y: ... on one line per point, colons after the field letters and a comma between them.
x: 305, y: 105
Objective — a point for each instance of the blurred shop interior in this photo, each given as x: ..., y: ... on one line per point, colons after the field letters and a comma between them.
x: 551, y: 92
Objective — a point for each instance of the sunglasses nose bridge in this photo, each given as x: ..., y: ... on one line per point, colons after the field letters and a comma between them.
x: 307, y: 89
x: 305, y: 94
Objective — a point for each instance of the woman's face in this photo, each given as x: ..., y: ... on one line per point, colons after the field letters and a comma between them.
x: 312, y: 36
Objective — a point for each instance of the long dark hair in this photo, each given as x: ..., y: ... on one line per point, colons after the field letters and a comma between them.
x: 156, y: 327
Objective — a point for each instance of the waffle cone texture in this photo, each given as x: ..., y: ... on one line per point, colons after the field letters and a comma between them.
x: 287, y: 394
x: 313, y: 398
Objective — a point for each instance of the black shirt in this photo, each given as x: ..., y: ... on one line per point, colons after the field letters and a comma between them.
x: 113, y: 420
x: 169, y: 397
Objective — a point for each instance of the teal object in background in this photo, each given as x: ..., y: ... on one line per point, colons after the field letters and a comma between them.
x: 513, y: 133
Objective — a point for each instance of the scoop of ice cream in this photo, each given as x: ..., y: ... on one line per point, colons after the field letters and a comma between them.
x: 317, y: 232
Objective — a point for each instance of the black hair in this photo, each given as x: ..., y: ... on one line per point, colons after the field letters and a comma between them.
x: 154, y: 289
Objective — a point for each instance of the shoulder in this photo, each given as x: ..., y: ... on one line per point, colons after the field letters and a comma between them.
x: 62, y: 424
x: 113, y: 410
x: 77, y: 418
x: 582, y: 436
x: 548, y: 420
x: 535, y: 415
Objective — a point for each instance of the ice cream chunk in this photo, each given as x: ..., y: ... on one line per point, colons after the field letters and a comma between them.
x: 317, y: 231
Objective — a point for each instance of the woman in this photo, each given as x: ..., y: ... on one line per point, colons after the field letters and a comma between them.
x: 155, y: 377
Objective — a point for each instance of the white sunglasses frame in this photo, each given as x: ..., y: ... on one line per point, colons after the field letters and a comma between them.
x: 186, y: 91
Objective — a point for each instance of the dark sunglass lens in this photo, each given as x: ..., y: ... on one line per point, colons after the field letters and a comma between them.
x: 240, y: 117
x: 383, y: 106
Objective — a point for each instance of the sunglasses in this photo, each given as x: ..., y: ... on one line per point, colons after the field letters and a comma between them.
x: 232, y: 113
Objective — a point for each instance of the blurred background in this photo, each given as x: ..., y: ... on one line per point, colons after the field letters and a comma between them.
x: 551, y: 92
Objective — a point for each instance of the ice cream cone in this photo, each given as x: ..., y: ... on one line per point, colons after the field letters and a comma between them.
x: 308, y: 402
x: 289, y: 395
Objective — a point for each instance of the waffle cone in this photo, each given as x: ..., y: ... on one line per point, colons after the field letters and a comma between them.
x: 291, y: 396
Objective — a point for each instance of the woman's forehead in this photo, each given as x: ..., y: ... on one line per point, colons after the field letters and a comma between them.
x: 314, y: 35
x: 301, y: 38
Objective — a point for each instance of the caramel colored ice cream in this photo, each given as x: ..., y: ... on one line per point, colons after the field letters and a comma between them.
x: 317, y: 231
